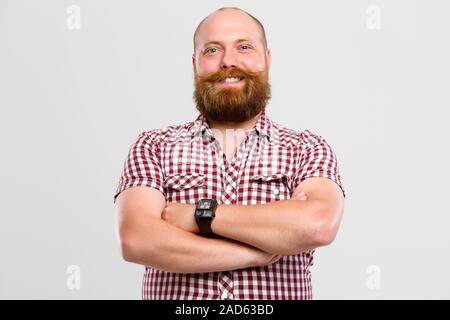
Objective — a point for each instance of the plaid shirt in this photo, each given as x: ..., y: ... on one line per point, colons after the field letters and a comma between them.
x: 186, y: 163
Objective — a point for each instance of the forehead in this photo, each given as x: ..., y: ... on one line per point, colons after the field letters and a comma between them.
x: 228, y: 26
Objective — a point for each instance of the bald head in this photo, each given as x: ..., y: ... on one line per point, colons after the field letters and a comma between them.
x: 228, y: 13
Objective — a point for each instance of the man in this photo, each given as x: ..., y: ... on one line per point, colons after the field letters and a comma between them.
x: 271, y: 195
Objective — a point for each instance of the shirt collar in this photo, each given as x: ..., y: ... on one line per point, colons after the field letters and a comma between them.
x: 263, y: 127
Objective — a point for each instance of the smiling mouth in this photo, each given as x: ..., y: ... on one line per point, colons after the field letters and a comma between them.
x: 231, y: 80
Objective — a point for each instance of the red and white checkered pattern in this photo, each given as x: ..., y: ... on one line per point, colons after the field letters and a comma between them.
x: 186, y: 163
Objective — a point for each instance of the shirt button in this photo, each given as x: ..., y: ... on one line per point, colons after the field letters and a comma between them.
x: 224, y: 295
x: 229, y: 188
x: 276, y: 191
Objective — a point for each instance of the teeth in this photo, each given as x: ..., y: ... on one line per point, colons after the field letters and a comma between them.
x: 231, y: 80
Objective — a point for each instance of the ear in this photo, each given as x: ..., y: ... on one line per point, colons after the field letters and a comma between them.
x: 268, y: 57
x: 193, y: 63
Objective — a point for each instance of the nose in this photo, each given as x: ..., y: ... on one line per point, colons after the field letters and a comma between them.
x: 228, y: 60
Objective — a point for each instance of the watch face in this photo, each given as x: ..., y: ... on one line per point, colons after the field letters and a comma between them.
x: 207, y: 214
x: 204, y: 204
x: 204, y: 215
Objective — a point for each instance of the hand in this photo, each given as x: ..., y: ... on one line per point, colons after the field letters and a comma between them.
x: 272, y: 258
x: 259, y: 258
x: 299, y: 196
x: 181, y: 215
x: 264, y: 258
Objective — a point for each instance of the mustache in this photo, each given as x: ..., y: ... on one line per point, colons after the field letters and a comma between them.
x: 230, y: 73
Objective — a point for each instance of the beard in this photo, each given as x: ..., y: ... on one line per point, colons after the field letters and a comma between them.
x: 234, y: 104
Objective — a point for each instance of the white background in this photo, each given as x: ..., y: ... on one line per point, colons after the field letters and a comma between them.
x: 73, y: 101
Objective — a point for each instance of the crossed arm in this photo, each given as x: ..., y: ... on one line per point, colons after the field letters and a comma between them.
x: 165, y: 236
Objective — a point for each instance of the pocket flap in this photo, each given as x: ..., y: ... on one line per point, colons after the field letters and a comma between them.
x: 184, y: 181
x: 270, y: 177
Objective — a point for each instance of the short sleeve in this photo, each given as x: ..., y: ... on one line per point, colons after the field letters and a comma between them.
x: 316, y: 159
x: 142, y: 166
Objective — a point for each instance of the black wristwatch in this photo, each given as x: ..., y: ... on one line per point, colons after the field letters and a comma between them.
x: 204, y: 215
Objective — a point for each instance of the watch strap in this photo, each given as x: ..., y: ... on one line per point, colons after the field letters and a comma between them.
x: 205, y: 226
x: 204, y: 221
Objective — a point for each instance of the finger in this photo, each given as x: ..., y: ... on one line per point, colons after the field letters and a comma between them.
x: 300, y: 195
x: 297, y: 194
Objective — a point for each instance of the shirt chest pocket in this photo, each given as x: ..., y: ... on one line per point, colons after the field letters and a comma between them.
x: 269, y: 188
x: 184, y: 187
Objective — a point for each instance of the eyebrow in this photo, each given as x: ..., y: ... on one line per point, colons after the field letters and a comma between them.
x: 220, y: 43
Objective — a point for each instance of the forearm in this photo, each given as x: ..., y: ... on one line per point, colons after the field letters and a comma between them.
x: 281, y: 227
x: 163, y: 246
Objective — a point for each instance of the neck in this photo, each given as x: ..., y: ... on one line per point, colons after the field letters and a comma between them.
x: 224, y: 125
x: 231, y: 134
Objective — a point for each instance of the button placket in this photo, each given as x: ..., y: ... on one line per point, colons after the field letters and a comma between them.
x: 225, y: 285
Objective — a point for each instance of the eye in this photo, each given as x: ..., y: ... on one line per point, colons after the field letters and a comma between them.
x: 209, y: 50
x: 246, y: 46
